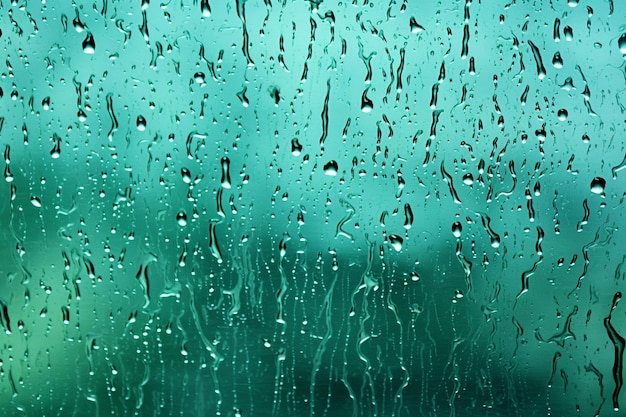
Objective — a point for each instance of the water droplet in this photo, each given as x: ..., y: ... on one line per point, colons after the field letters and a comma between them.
x: 568, y: 32
x: 186, y: 175
x: 8, y: 175
x: 415, y: 276
x: 275, y: 94
x: 205, y: 8
x: 366, y: 104
x: 541, y: 70
x: 243, y: 98
x: 181, y: 218
x: 415, y: 27
x: 572, y: 3
x: 586, y: 138
x: 568, y: 84
x: 89, y: 44
x: 562, y: 114
x: 457, y: 229
x: 199, y: 77
x: 141, y: 123
x: 296, y: 147
x: 408, y: 216
x: 225, y: 172
x: 557, y: 60
x: 468, y: 179
x: 396, y: 242
x: 331, y: 168
x: 35, y: 201
x: 56, y: 149
x: 621, y: 43
x: 597, y: 185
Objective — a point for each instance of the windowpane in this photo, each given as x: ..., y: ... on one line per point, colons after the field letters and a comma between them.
x: 325, y: 208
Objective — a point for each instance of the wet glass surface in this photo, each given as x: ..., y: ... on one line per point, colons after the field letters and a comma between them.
x: 324, y: 208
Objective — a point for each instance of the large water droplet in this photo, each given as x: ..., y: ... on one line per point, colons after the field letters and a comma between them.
x: 331, y: 168
x: 141, y: 123
x: 568, y: 32
x: 56, y: 149
x: 415, y: 27
x: 457, y: 229
x: 621, y: 43
x: 89, y: 44
x: 597, y: 185
x: 205, y: 8
x: 396, y: 242
x: 199, y: 77
x: 366, y: 104
x: 8, y: 175
x: 186, y: 174
x: 82, y: 116
x: 225, y: 172
x: 296, y: 147
x: 35, y: 201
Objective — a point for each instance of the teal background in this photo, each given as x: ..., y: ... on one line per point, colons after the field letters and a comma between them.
x: 215, y: 210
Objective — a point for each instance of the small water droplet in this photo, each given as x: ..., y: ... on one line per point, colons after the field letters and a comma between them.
x: 468, y: 179
x: 572, y: 3
x: 597, y: 185
x: 562, y: 114
x: 35, y: 201
x: 331, y: 168
x: 557, y: 60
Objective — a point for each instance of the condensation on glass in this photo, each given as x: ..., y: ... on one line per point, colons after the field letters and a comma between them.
x: 324, y: 208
